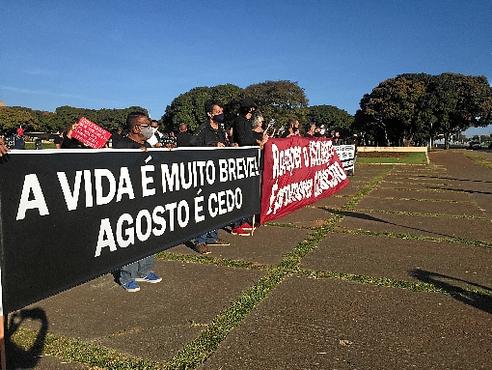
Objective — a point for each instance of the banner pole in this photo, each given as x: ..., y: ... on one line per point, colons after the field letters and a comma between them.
x: 3, y: 354
x: 3, y: 319
x: 253, y: 226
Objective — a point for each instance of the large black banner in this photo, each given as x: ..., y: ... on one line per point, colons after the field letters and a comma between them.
x: 67, y: 217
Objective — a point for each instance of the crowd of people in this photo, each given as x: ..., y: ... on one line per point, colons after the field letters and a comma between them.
x: 247, y: 129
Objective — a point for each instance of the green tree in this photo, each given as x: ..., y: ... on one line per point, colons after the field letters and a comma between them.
x: 190, y: 106
x: 12, y: 117
x: 279, y: 100
x: 418, y: 107
x: 332, y: 117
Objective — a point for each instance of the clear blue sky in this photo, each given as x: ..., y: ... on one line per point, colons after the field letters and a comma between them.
x: 116, y: 53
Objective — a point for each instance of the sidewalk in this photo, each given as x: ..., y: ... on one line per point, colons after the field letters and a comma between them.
x: 393, y: 272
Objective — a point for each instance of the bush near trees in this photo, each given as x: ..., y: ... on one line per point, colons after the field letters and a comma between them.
x: 416, y: 108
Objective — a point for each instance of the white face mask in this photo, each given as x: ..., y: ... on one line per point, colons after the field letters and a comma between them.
x: 146, y: 132
x: 154, y: 130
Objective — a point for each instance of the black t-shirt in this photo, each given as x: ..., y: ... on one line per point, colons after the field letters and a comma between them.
x: 208, y: 136
x: 126, y: 143
x: 184, y: 139
x: 242, y: 131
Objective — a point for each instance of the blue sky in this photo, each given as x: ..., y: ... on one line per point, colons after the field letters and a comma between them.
x: 119, y: 53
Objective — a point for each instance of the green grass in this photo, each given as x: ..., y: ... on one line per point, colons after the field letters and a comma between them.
x: 404, y: 158
x: 50, y: 145
x: 480, y: 158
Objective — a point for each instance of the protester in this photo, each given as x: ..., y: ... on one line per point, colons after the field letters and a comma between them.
x: 68, y: 141
x: 3, y: 149
x: 336, y: 138
x: 259, y: 133
x: 184, y: 136
x: 312, y: 130
x: 211, y: 133
x: 292, y: 128
x: 247, y: 134
x: 241, y: 126
x: 58, y: 140
x: 156, y: 138
x: 139, y: 131
x: 20, y: 131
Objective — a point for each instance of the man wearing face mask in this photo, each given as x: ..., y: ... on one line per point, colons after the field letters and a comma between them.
x: 211, y: 133
x: 155, y: 139
x: 139, y: 130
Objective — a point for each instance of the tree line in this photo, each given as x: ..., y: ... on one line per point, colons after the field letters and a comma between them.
x: 277, y: 100
x: 417, y: 108
x: 409, y: 109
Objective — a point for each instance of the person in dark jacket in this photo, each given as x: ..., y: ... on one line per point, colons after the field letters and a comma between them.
x: 184, y: 136
x: 211, y: 133
x: 241, y: 126
x: 139, y: 131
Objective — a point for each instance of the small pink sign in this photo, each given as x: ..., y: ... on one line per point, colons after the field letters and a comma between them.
x: 90, y: 134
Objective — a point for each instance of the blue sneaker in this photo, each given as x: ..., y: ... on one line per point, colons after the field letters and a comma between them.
x: 131, y: 286
x: 150, y: 278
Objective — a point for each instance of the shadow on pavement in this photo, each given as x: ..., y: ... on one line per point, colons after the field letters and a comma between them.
x: 482, y: 301
x: 17, y: 357
x: 453, y: 178
x: 461, y: 190
x: 365, y: 216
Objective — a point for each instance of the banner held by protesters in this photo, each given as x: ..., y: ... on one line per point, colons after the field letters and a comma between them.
x: 297, y: 172
x: 68, y: 217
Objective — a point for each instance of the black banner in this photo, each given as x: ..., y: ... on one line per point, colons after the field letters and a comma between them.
x: 68, y: 217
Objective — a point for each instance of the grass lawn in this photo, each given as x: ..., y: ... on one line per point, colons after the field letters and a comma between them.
x: 406, y: 158
x: 483, y: 159
x: 50, y: 145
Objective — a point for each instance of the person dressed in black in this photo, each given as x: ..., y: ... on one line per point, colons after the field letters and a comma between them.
x: 241, y: 126
x: 210, y: 133
x: 139, y: 130
x: 184, y: 136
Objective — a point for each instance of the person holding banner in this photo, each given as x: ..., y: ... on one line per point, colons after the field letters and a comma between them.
x: 3, y: 149
x: 139, y: 131
x: 211, y: 133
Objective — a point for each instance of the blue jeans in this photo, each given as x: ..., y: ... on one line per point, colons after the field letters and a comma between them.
x: 136, y: 269
x: 208, y: 237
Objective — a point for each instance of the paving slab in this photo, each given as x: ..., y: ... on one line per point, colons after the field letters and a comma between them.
x: 400, y: 192
x: 43, y: 363
x: 484, y: 203
x: 350, y: 190
x: 337, y: 201
x: 459, y: 166
x: 306, y: 217
x: 427, y: 226
x: 267, y: 246
x: 469, y: 208
x: 329, y: 324
x: 396, y: 258
x: 155, y: 322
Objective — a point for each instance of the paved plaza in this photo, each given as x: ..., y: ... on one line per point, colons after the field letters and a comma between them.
x: 393, y: 272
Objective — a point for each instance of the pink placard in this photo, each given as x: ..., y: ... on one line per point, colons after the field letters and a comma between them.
x: 90, y: 134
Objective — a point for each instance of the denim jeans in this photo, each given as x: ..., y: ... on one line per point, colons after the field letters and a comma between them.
x: 136, y: 269
x: 208, y: 237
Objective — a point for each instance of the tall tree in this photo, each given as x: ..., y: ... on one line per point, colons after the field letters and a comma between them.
x: 190, y: 106
x: 332, y: 117
x: 12, y: 117
x: 416, y: 106
x: 279, y: 100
